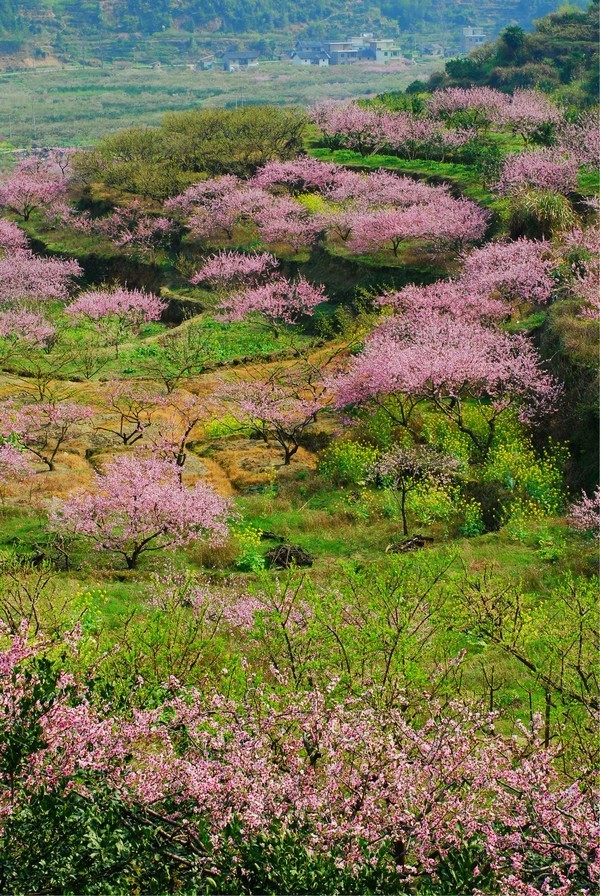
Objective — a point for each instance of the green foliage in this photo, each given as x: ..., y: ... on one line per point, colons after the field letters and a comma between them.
x: 251, y: 556
x: 537, y: 479
x: 347, y: 463
x: 158, y: 162
x: 562, y: 49
x: 95, y: 844
x: 472, y: 524
x: 430, y: 504
x: 539, y: 214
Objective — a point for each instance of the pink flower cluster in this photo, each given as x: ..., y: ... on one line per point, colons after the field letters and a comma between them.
x: 282, y: 299
x: 235, y: 268
x: 32, y: 184
x: 445, y: 221
x: 584, y: 515
x: 446, y: 297
x: 360, y: 782
x: 367, y: 130
x: 523, y: 112
x: 43, y: 428
x: 442, y: 358
x: 519, y: 270
x: 300, y: 175
x: 494, y: 277
x: 378, y: 210
x: 13, y: 464
x: 140, y: 505
x: 26, y: 327
x: 12, y: 238
x: 133, y: 306
x: 128, y: 227
x: 24, y: 275
x: 249, y: 283
x: 580, y: 140
x: 486, y: 102
x: 542, y: 169
x: 381, y: 188
x: 586, y: 272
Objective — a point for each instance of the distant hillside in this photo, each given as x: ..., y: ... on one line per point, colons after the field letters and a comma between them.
x: 113, y: 29
x: 560, y: 54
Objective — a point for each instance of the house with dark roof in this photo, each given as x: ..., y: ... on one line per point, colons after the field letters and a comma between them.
x: 235, y: 60
x: 310, y: 57
x: 205, y: 62
x: 344, y: 52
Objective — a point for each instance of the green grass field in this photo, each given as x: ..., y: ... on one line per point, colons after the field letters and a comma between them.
x: 76, y: 105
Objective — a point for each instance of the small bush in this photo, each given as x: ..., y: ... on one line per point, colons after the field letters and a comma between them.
x: 473, y: 524
x: 347, y: 463
x: 251, y: 558
x: 540, y: 214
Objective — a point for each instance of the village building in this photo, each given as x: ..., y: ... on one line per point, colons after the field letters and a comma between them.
x: 205, y: 62
x: 310, y: 57
x: 345, y: 52
x: 234, y: 60
x: 472, y: 38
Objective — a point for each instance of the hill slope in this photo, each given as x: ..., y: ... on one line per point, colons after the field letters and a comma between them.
x: 64, y: 27
x: 560, y: 54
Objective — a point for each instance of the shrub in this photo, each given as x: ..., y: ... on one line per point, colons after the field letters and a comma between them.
x: 347, y: 463
x: 473, y: 523
x: 527, y: 477
x: 540, y: 214
x: 251, y: 558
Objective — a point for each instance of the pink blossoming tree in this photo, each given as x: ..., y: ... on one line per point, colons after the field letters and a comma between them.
x: 132, y: 406
x: 300, y: 175
x: 24, y: 275
x: 542, y: 169
x: 215, y: 207
x: 447, y: 221
x: 250, y: 283
x: 140, y: 505
x: 234, y: 269
x: 281, y: 300
x: 281, y: 406
x: 20, y: 327
x: 185, y: 410
x: 584, y: 515
x: 454, y: 363
x: 29, y: 186
x: 453, y: 297
x: 403, y: 469
x: 128, y: 227
x: 287, y: 222
x: 14, y: 466
x: 12, y: 237
x: 580, y: 140
x: 518, y: 270
x: 115, y: 313
x: 43, y: 428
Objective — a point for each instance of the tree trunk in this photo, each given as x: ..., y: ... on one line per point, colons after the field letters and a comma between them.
x: 131, y: 560
x: 403, y: 511
x: 547, y: 720
x: 289, y: 453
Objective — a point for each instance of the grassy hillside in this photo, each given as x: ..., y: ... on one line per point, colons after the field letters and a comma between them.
x: 120, y: 29
x: 561, y: 54
x: 76, y: 105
